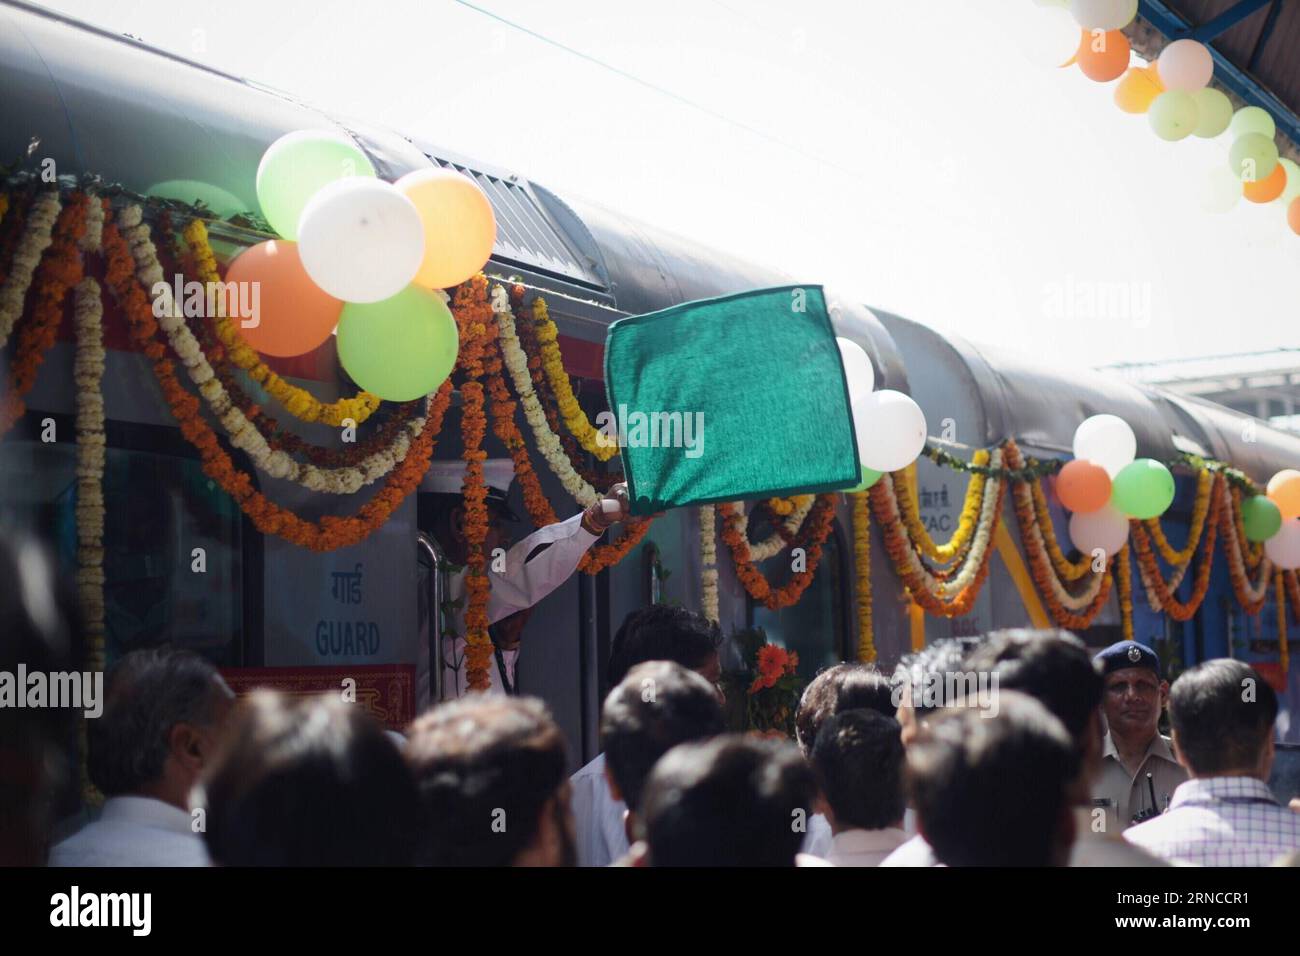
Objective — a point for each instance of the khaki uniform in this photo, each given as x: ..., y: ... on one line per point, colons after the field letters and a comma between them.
x: 1124, y: 795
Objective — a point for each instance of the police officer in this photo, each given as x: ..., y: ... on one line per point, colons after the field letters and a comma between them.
x: 1133, y: 748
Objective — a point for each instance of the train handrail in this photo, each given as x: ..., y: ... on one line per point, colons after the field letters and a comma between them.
x: 437, y: 560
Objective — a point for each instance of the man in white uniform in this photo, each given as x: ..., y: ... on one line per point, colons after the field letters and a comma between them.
x: 164, y: 713
x: 520, y: 575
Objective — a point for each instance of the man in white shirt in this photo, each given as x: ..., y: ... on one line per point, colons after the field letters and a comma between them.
x: 858, y: 760
x: 659, y: 632
x: 1222, y: 714
x: 519, y: 575
x: 163, y: 716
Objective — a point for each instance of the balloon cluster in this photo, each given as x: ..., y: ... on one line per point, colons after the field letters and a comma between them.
x: 1174, y: 93
x: 890, y: 426
x: 1106, y: 485
x: 363, y: 255
x: 1274, y: 518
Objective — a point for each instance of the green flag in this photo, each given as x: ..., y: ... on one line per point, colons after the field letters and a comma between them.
x: 734, y: 398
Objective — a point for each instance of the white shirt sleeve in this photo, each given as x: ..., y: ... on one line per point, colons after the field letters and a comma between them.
x: 524, y: 582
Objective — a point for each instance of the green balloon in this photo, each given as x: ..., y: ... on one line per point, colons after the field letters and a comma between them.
x: 1213, y: 112
x: 1292, y: 188
x: 1252, y: 119
x: 869, y: 477
x: 1144, y: 488
x: 1172, y: 115
x: 296, y: 166
x: 1261, y: 518
x: 1253, y: 157
x: 400, y: 348
x: 222, y: 204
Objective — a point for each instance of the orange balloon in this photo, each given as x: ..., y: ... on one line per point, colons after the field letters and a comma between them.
x: 1293, y: 214
x: 459, y: 226
x: 1284, y: 491
x: 1268, y: 188
x: 1082, y: 486
x: 294, y: 315
x: 1103, y: 57
x: 1136, y: 91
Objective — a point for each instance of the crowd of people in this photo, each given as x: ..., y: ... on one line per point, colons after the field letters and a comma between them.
x: 1021, y: 748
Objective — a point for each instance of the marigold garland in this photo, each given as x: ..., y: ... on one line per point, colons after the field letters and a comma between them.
x: 1150, y: 570
x: 1123, y: 571
x: 473, y: 315
x: 862, y: 564
x: 297, y: 401
x: 328, y: 534
x: 60, y: 269
x: 541, y: 388
x: 970, y: 509
x: 553, y: 363
x: 812, y: 537
x: 1200, y: 508
x: 38, y: 235
x: 1250, y: 596
x: 1067, y: 570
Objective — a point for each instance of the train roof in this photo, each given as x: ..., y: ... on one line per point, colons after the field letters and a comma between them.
x: 110, y: 105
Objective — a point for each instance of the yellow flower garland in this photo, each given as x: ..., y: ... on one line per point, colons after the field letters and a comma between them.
x: 297, y: 401
x: 970, y: 510
x: 553, y: 364
x: 862, y: 563
x: 1204, y: 485
x: 1066, y: 570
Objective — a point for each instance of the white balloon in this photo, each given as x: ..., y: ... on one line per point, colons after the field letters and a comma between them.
x: 1104, y: 14
x: 1283, y: 549
x: 891, y: 430
x: 1222, y: 189
x: 360, y: 239
x: 1047, y: 38
x: 1105, y: 529
x: 857, y: 368
x: 1106, y: 440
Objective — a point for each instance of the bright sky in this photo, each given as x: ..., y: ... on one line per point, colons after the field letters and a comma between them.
x: 918, y: 155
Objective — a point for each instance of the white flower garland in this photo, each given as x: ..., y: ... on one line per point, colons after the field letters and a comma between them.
x: 548, y: 443
x: 1255, y: 591
x: 27, y: 256
x: 1072, y: 602
x: 974, y: 558
x: 243, y: 433
x: 88, y: 374
x: 708, y: 563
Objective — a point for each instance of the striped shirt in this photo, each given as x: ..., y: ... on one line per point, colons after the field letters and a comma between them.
x: 1220, y: 821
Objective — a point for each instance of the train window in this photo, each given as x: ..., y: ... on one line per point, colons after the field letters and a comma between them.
x: 816, y: 626
x: 158, y: 585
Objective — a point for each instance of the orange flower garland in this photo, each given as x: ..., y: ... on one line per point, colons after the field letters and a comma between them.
x: 811, y: 536
x: 330, y: 532
x: 1201, y: 508
x: 1066, y: 569
x: 1169, y: 603
x: 1040, y: 563
x: 61, y: 268
x: 473, y: 315
x: 1123, y: 572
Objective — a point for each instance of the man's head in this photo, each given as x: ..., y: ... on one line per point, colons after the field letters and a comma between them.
x: 662, y: 632
x: 1053, y: 667
x: 995, y: 791
x: 311, y: 781
x: 493, y: 789
x: 838, y: 688
x: 858, y: 760
x: 729, y: 801
x: 164, y: 713
x: 1135, y: 693
x: 658, y: 705
x: 921, y: 683
x: 1222, y: 715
